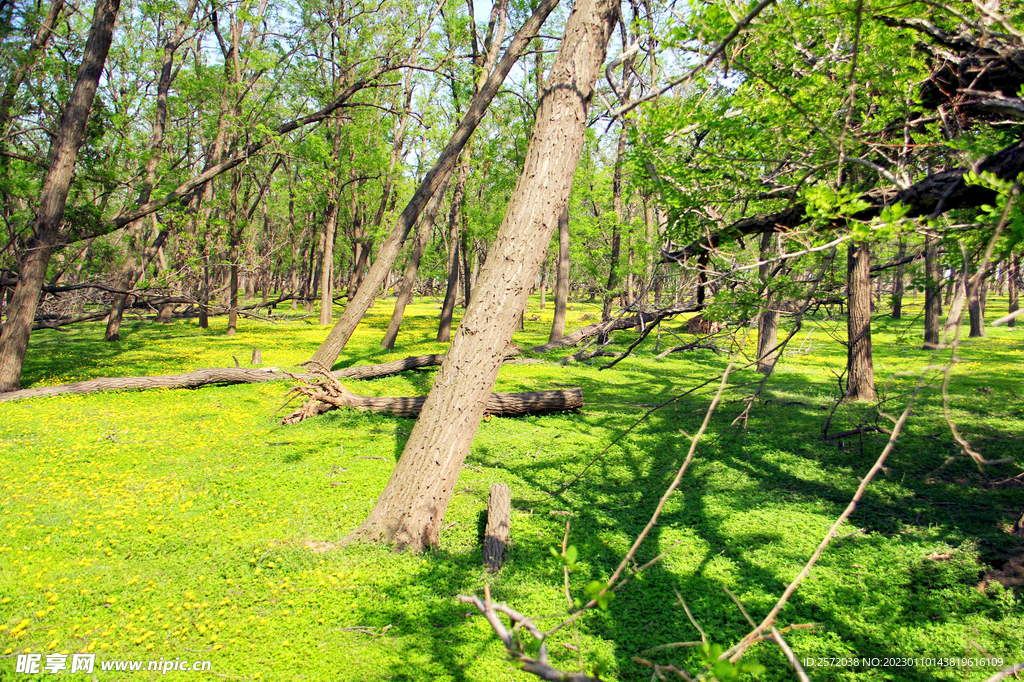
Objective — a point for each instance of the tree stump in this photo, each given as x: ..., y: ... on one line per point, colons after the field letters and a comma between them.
x: 499, y: 520
x: 257, y: 357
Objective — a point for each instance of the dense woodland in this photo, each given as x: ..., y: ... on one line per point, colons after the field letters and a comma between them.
x: 742, y: 169
x: 238, y: 158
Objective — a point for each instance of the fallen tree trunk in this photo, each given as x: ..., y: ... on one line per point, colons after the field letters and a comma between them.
x: 642, y: 319
x: 498, y: 405
x: 389, y: 368
x: 218, y: 375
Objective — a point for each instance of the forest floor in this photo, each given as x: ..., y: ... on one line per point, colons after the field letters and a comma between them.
x: 190, y: 524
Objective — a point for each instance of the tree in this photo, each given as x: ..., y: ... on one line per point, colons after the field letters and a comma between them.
x: 860, y: 378
x: 438, y: 175
x: 49, y: 229
x: 561, y: 278
x: 410, y: 510
x: 132, y: 269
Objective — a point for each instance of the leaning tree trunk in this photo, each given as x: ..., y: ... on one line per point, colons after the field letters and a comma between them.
x: 561, y: 278
x: 132, y: 269
x: 932, y: 293
x: 53, y: 197
x: 1013, y: 287
x: 957, y: 299
x: 451, y: 290
x: 358, y: 304
x: 410, y: 510
x: 860, y: 371
x: 408, y: 284
x: 327, y: 265
x: 897, y: 283
x: 768, y: 320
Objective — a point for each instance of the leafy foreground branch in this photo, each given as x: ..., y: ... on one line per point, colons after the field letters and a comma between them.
x: 718, y: 664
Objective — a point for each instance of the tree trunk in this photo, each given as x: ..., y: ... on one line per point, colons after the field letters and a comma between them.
x: 1013, y: 287
x: 410, y: 510
x: 561, y: 278
x: 860, y: 371
x: 235, y: 227
x: 498, y: 404
x: 451, y: 292
x: 327, y: 265
x: 613, y: 270
x: 897, y: 283
x: 544, y: 285
x: 975, y: 305
x: 408, y: 284
x: 204, y: 295
x: 357, y: 306
x: 956, y: 306
x: 53, y: 197
x: 768, y: 320
x: 932, y: 293
x: 499, y: 522
x: 129, y: 278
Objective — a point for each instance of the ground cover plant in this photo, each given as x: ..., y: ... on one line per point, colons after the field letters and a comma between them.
x: 190, y: 524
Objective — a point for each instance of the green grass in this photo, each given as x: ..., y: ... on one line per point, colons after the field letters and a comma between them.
x: 184, y: 523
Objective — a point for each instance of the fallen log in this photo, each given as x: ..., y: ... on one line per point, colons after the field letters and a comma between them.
x: 217, y: 375
x: 389, y: 368
x: 498, y: 405
x: 200, y: 377
x: 642, y: 319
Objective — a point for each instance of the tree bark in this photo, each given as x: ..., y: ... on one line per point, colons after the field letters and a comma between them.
x: 932, y: 293
x: 53, y: 196
x: 498, y: 404
x: 357, y: 306
x: 860, y: 371
x: 410, y: 510
x: 561, y: 278
x: 408, y: 284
